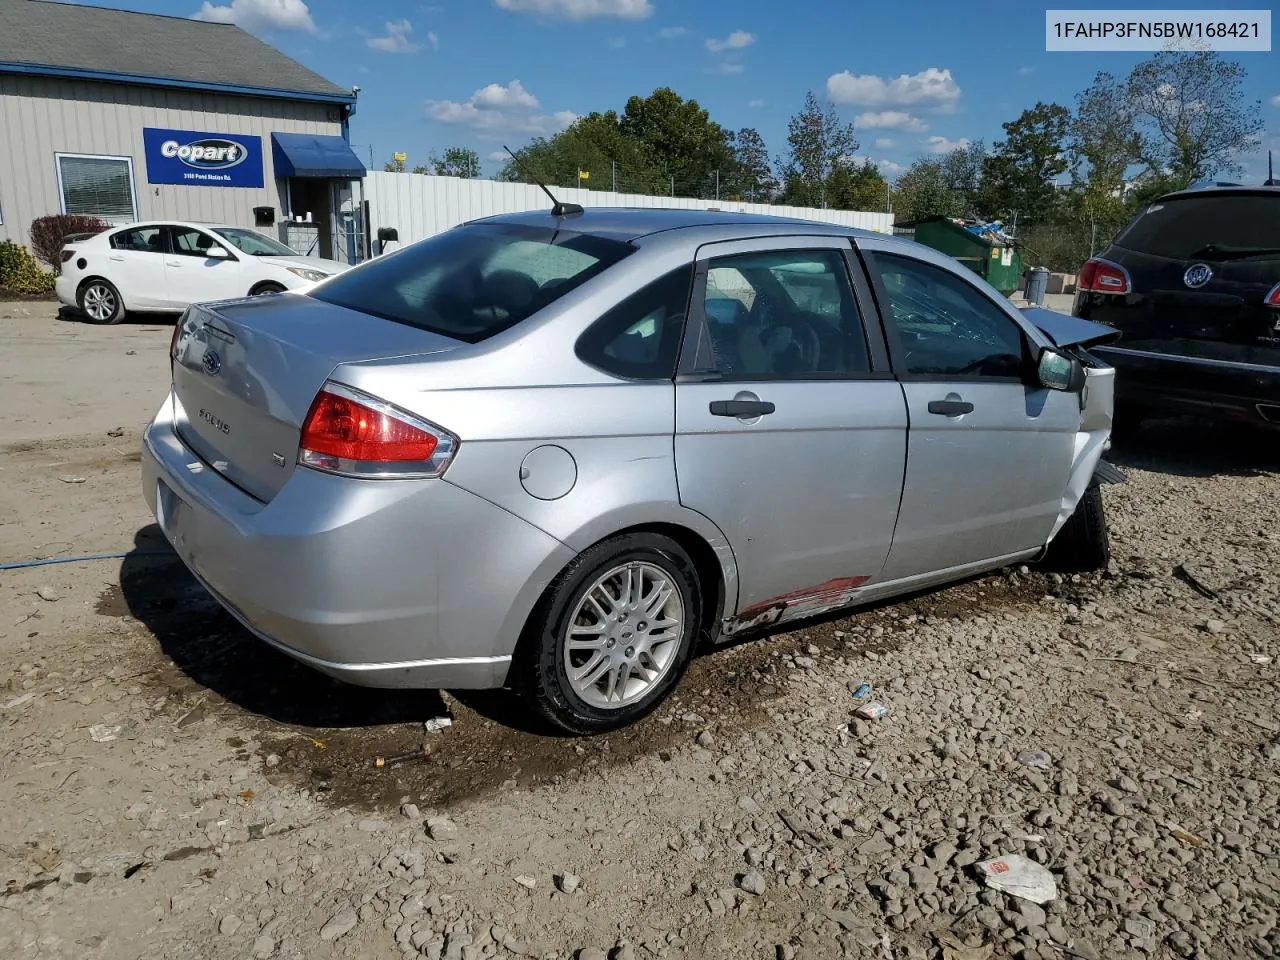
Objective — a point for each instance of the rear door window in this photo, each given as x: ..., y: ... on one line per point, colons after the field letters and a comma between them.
x: 140, y: 239
x: 474, y: 281
x: 1182, y: 229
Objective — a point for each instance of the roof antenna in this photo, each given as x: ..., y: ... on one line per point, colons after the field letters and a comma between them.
x: 1271, y: 177
x: 558, y: 209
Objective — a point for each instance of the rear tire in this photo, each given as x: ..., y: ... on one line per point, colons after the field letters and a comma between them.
x: 268, y: 287
x: 100, y: 302
x: 1083, y: 543
x: 613, y: 634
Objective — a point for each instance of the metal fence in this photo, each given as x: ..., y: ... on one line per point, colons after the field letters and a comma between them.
x: 420, y: 206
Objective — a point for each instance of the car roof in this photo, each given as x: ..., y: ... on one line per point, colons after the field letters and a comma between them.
x: 1225, y: 190
x: 632, y: 223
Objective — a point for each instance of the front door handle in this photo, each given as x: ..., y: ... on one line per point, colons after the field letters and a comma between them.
x: 950, y: 408
x: 743, y: 409
x: 118, y: 259
x: 173, y: 263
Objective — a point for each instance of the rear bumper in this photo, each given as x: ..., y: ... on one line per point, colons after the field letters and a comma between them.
x: 381, y: 584
x: 1173, y: 384
x: 64, y: 289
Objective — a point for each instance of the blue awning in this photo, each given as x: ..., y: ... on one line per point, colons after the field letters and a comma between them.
x: 312, y: 155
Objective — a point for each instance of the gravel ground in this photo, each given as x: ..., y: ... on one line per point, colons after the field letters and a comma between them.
x: 174, y: 789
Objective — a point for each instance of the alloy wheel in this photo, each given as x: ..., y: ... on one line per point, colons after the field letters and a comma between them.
x: 99, y: 302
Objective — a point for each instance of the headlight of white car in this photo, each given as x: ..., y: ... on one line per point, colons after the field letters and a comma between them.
x: 313, y: 275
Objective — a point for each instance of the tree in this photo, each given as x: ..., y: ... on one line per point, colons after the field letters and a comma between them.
x: 1192, y: 119
x: 394, y: 165
x: 680, y: 138
x: 925, y: 191
x: 456, y: 162
x: 962, y: 174
x: 1018, y: 177
x: 857, y: 187
x: 595, y: 144
x: 753, y: 177
x: 1103, y: 137
x: 420, y: 169
x: 817, y: 143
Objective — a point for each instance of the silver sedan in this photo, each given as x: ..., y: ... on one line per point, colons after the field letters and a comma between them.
x: 559, y: 451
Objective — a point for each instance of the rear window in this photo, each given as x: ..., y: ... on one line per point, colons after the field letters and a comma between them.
x: 1180, y: 229
x: 474, y: 281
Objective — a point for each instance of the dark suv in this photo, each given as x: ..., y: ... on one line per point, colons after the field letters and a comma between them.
x: 1193, y: 285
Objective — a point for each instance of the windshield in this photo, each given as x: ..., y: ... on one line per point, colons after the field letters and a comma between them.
x: 1182, y: 229
x: 474, y: 281
x: 255, y: 244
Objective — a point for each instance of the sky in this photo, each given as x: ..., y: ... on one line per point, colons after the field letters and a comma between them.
x: 914, y: 78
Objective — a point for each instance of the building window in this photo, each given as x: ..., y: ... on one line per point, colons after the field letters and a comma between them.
x: 97, y: 186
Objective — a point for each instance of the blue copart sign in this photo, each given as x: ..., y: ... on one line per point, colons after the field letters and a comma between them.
x: 199, y: 159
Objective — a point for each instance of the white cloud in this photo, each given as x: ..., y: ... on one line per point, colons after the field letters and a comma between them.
x: 496, y: 108
x: 887, y: 168
x: 943, y: 145
x: 755, y: 104
x: 511, y: 97
x: 890, y: 120
x: 396, y: 39
x: 737, y: 40
x: 726, y: 67
x: 929, y: 89
x: 616, y: 43
x: 499, y: 156
x: 1275, y: 101
x: 581, y: 9
x: 1026, y: 71
x: 672, y: 33
x: 885, y: 143
x: 433, y: 40
x: 254, y: 15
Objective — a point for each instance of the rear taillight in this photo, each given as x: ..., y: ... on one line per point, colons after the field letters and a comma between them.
x: 173, y: 344
x: 67, y: 255
x: 355, y: 434
x: 1273, y: 298
x: 1103, y: 276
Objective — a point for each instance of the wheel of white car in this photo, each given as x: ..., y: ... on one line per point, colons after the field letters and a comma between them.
x: 614, y: 633
x: 268, y: 286
x: 100, y: 301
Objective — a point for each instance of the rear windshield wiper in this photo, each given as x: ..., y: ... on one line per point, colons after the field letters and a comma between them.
x: 1222, y: 252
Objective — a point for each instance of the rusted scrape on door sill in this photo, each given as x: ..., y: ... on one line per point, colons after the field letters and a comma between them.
x: 805, y: 602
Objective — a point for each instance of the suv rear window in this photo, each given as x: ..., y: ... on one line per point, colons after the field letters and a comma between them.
x: 476, y: 280
x: 1181, y: 229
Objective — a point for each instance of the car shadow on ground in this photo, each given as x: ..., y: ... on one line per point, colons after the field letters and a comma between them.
x: 206, y: 644
x: 133, y: 318
x: 1187, y: 447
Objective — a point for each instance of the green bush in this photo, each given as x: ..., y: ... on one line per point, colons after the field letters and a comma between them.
x: 19, y: 270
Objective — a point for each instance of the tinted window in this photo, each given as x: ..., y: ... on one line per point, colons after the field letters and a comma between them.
x: 784, y: 314
x: 143, y: 239
x: 474, y: 281
x: 191, y: 243
x: 640, y: 337
x: 1180, y: 229
x: 945, y: 326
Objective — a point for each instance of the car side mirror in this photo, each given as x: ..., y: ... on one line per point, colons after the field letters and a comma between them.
x: 1057, y: 371
x: 217, y: 253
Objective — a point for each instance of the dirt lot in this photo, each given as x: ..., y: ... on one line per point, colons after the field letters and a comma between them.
x: 172, y: 788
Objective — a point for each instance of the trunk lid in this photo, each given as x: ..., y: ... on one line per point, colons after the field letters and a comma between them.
x: 246, y: 371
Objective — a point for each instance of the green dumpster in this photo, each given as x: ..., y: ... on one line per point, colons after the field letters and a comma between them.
x: 999, y: 265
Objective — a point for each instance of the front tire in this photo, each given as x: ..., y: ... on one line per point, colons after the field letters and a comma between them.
x: 1083, y: 543
x: 269, y: 286
x: 614, y: 634
x: 100, y: 302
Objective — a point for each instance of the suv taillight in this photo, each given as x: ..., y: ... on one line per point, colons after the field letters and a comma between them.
x: 1273, y: 298
x: 1103, y: 276
x: 351, y: 433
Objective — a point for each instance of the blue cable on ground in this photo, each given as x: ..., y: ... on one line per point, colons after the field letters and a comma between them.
x: 120, y: 555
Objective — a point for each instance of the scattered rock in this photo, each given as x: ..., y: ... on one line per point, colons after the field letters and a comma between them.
x: 371, y: 826
x: 441, y: 828
x: 568, y: 882
x: 340, y: 924
x: 752, y: 882
x: 526, y: 881
x: 410, y: 811
x: 705, y: 740
x: 229, y: 924
x: 48, y: 594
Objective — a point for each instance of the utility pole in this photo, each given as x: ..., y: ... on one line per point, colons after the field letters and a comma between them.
x: 717, y: 184
x: 615, y: 175
x: 673, y: 184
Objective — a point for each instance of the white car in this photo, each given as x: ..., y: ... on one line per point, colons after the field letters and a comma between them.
x: 165, y: 266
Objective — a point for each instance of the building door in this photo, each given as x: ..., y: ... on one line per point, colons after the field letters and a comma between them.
x: 313, y: 197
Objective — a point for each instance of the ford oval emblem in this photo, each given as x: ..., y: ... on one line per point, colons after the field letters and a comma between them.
x: 1197, y: 275
x: 211, y: 362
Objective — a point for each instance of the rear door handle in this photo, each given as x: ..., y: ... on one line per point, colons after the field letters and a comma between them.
x: 740, y: 408
x: 950, y: 408
x: 173, y: 263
